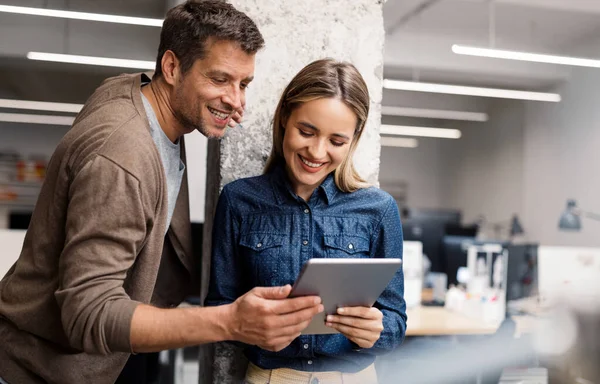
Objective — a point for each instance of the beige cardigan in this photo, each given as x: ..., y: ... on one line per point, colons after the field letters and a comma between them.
x: 93, y: 249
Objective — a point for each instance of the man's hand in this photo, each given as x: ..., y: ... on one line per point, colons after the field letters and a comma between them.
x: 236, y: 118
x: 267, y: 318
x: 361, y: 325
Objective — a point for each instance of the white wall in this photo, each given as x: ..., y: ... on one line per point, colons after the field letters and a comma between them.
x: 484, y: 169
x: 420, y: 168
x: 562, y: 145
x: 196, y: 148
x: 528, y: 159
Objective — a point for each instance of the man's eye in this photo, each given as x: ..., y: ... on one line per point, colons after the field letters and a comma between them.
x: 219, y: 80
x: 244, y: 85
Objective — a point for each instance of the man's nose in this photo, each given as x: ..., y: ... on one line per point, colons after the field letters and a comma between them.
x: 234, y: 98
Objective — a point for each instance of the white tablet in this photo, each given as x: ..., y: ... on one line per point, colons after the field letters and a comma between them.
x: 343, y: 283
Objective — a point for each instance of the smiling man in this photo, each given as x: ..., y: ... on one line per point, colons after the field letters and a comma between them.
x: 108, y: 252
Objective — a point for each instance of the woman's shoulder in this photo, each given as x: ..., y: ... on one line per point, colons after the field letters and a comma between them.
x: 248, y: 185
x: 371, y: 193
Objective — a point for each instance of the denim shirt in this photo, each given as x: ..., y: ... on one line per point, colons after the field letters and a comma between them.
x: 264, y: 233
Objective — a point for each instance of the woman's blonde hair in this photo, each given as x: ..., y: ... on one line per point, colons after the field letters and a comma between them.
x: 323, y: 79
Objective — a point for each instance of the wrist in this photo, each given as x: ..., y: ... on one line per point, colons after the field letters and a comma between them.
x: 226, y: 322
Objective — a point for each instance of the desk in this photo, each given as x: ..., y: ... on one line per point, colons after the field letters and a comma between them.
x: 439, y: 321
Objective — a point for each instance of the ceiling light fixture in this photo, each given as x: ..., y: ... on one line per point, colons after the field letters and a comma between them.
x: 91, y: 60
x: 524, y: 56
x: 405, y: 130
x: 36, y: 119
x: 434, y: 113
x: 469, y: 91
x: 40, y: 105
x: 399, y: 142
x: 82, y: 16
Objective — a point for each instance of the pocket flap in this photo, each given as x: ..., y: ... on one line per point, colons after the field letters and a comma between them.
x: 261, y: 241
x: 346, y: 243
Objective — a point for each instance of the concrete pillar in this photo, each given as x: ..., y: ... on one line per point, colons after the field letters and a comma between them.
x: 296, y: 33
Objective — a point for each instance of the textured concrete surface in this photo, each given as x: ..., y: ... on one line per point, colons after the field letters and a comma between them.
x: 296, y: 33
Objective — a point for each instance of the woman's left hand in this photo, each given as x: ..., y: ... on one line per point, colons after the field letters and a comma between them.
x: 361, y: 325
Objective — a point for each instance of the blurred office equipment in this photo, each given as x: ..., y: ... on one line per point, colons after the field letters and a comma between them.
x: 504, y: 230
x: 412, y: 266
x: 429, y: 227
x: 570, y: 219
x: 522, y: 271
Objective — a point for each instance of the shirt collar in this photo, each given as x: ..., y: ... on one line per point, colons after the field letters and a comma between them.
x: 328, y: 189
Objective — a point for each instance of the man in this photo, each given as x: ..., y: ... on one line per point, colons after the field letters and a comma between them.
x: 109, y: 241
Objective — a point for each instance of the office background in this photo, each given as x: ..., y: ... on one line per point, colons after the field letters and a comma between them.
x: 525, y: 159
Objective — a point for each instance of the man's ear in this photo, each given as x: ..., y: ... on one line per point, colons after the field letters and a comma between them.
x: 171, y: 70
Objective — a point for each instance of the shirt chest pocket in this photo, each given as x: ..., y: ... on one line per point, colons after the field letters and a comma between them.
x: 262, y: 253
x: 344, y: 246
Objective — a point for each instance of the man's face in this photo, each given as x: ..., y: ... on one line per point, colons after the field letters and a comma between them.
x: 213, y: 89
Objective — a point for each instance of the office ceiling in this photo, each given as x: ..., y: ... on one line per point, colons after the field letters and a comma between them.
x: 420, y: 34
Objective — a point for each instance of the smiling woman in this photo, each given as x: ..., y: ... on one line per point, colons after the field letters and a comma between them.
x: 317, y: 139
x: 311, y: 203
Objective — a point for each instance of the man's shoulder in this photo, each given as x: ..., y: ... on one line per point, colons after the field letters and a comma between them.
x: 112, y: 126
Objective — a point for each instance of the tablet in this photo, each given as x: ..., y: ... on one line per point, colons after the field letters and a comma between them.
x: 343, y: 283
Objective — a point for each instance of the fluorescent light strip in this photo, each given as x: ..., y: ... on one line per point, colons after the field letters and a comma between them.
x: 524, y: 56
x: 405, y: 130
x: 40, y: 105
x: 36, y: 119
x: 399, y: 142
x: 91, y: 60
x: 434, y: 113
x: 82, y: 16
x: 469, y: 91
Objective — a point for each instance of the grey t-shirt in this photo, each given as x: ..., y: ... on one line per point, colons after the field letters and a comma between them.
x: 170, y: 154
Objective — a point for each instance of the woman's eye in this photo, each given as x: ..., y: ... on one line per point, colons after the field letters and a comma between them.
x: 305, y: 133
x: 337, y: 143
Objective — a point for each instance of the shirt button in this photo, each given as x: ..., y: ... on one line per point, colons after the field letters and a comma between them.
x: 309, y: 362
x: 350, y: 246
x: 306, y: 210
x: 305, y: 346
x: 258, y: 245
x: 305, y: 242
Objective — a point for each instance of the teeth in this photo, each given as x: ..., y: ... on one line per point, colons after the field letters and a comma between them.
x: 312, y: 165
x: 219, y: 115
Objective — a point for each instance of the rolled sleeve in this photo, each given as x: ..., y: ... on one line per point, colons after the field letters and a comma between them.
x: 106, y: 228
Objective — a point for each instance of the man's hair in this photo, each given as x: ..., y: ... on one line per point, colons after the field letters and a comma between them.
x: 188, y: 28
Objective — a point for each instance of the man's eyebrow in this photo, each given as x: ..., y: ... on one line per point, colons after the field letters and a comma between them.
x: 216, y: 72
x: 219, y: 73
x: 310, y: 126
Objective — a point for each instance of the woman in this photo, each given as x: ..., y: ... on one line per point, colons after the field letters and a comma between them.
x: 310, y: 202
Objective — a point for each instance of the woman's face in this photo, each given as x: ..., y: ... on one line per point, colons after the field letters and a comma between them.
x: 317, y: 139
